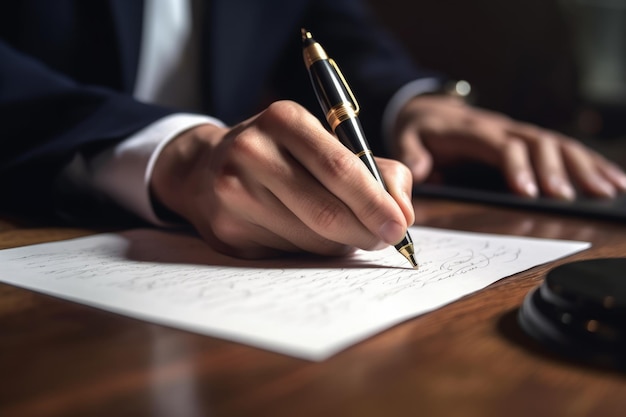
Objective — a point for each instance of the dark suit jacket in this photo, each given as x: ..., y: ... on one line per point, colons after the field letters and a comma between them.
x: 68, y: 67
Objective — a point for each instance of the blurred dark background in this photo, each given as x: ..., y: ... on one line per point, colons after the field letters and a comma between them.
x: 557, y: 63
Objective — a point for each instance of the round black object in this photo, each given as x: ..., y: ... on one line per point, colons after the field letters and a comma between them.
x: 580, y: 311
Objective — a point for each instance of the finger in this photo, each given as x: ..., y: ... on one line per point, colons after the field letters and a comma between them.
x: 338, y: 171
x: 582, y: 167
x: 517, y: 168
x: 317, y: 209
x: 613, y: 173
x: 222, y: 220
x: 256, y: 224
x: 550, y: 169
x: 399, y: 184
x: 547, y: 158
x: 290, y: 231
x: 345, y: 176
x: 264, y: 174
x: 471, y: 138
x: 489, y: 142
x: 414, y: 155
x: 610, y: 171
x: 242, y: 239
x: 598, y: 170
x: 243, y: 242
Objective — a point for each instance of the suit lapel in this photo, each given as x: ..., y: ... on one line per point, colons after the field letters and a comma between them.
x: 241, y: 40
x: 128, y: 17
x: 230, y: 52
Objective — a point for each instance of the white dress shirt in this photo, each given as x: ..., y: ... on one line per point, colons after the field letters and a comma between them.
x: 167, y: 75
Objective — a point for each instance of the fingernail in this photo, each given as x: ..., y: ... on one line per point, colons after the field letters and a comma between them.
x: 527, y: 185
x: 621, y: 182
x: 567, y: 192
x: 604, y: 187
x: 619, y: 177
x: 561, y: 188
x: 531, y: 189
x: 391, y: 232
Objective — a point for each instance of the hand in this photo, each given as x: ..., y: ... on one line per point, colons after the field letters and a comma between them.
x: 279, y: 182
x: 438, y: 131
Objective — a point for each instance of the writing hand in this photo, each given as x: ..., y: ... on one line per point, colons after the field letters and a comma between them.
x: 279, y: 182
x: 437, y: 131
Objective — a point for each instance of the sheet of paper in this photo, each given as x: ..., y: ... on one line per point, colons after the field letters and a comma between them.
x: 305, y: 307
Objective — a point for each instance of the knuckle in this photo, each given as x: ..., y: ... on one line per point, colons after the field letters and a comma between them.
x: 549, y: 140
x: 283, y: 113
x: 327, y: 216
x: 224, y: 186
x: 372, y: 207
x: 247, y: 145
x: 572, y: 146
x: 243, y: 142
x: 514, y: 145
x: 222, y: 229
x: 226, y: 229
x: 340, y: 163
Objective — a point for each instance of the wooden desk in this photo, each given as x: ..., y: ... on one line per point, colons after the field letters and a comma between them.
x: 469, y: 358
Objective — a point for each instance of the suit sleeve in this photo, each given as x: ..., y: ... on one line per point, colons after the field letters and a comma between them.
x: 46, y: 118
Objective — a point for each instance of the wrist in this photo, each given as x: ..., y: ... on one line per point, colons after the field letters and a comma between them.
x: 185, y: 154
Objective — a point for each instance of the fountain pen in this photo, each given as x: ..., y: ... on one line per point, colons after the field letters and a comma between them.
x: 341, y: 109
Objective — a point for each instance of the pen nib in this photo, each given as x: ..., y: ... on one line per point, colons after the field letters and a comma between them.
x: 412, y: 260
x: 409, y: 253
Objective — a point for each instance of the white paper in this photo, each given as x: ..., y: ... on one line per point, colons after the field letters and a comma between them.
x: 305, y: 307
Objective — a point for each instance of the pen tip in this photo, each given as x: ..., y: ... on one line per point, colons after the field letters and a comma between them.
x: 409, y: 253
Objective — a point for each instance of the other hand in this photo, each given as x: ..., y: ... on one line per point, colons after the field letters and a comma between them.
x: 437, y: 131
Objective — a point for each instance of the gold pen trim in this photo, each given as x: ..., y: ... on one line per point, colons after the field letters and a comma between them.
x: 355, y: 104
x: 314, y: 53
x: 340, y: 113
x: 365, y: 152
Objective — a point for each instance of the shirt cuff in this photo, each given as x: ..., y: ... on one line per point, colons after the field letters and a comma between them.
x: 403, y: 96
x: 123, y: 172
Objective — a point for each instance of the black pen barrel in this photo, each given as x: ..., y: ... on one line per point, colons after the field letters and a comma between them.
x: 350, y: 133
x: 329, y: 89
x: 341, y: 111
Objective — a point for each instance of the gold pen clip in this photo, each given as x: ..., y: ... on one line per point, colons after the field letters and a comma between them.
x: 355, y: 104
x: 342, y: 111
